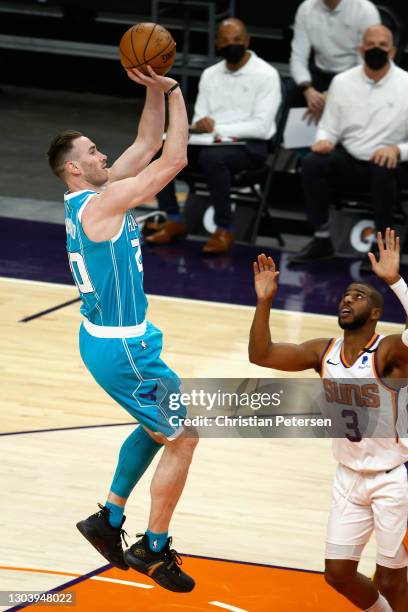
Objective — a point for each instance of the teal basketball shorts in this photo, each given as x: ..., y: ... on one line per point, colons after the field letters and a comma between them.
x: 131, y: 371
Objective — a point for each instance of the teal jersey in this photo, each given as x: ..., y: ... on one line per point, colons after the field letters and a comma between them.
x: 109, y: 274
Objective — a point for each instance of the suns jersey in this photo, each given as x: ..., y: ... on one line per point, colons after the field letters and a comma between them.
x: 370, y: 454
x: 109, y: 274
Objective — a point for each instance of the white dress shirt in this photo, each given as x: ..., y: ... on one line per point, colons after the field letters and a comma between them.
x: 243, y: 103
x: 364, y: 115
x: 334, y: 35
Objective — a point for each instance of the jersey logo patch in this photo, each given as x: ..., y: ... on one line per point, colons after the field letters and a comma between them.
x: 150, y: 395
x: 364, y: 363
x: 331, y: 362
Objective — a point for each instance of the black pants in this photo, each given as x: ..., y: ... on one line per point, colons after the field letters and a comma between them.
x: 218, y: 164
x: 320, y: 81
x: 325, y: 176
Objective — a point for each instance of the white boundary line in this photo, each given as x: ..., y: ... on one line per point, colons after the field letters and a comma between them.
x: 139, y: 585
x: 220, y: 604
x: 34, y: 282
x: 166, y: 298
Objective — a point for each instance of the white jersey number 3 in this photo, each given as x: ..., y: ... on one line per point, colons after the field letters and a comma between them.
x: 77, y: 264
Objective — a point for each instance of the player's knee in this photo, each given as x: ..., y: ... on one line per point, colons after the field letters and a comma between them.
x: 338, y: 575
x: 187, y: 442
x: 191, y: 438
x: 336, y: 580
x: 389, y: 581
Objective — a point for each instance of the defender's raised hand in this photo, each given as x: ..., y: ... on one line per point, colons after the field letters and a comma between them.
x: 265, y: 277
x: 387, y: 266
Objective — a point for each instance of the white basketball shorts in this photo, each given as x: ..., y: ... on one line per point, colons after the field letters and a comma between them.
x: 363, y: 503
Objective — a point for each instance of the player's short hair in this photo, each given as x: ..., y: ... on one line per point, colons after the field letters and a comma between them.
x: 376, y: 296
x: 59, y: 149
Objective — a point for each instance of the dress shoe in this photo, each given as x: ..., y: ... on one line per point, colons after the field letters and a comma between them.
x: 167, y: 232
x: 315, y: 250
x: 220, y: 242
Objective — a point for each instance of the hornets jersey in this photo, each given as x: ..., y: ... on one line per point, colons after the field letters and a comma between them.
x: 109, y: 274
x: 359, y: 384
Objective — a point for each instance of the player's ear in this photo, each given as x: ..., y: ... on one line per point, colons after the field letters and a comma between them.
x: 376, y: 314
x: 72, y: 167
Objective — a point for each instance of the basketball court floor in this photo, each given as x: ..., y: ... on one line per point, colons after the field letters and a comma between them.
x: 252, y: 520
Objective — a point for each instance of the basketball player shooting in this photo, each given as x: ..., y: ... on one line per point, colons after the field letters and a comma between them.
x: 120, y: 349
x: 370, y: 491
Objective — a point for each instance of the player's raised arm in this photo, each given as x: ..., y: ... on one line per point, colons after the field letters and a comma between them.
x: 387, y: 268
x: 262, y: 350
x: 149, y: 137
x: 120, y: 196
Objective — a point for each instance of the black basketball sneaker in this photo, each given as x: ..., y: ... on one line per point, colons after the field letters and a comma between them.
x: 163, y: 567
x: 105, y: 538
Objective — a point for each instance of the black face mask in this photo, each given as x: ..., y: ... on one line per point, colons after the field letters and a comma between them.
x: 233, y: 54
x: 376, y: 58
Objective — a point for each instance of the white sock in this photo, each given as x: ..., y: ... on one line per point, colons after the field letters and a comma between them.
x: 381, y: 605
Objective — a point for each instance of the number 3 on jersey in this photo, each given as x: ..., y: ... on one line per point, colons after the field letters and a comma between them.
x: 81, y: 277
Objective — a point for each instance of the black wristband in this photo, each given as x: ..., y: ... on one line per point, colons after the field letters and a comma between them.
x: 170, y: 91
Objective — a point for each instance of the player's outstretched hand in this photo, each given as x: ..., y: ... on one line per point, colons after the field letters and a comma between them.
x: 266, y: 277
x: 387, y: 266
x: 152, y: 80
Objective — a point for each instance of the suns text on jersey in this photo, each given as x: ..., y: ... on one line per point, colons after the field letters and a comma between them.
x: 352, y: 394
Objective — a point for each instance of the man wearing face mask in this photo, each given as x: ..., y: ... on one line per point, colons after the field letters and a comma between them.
x: 237, y: 98
x: 331, y: 30
x: 360, y: 142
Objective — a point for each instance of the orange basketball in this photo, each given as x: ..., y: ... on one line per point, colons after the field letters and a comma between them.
x: 147, y: 43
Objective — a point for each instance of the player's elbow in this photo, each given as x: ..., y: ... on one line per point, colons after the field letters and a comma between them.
x: 251, y: 354
x: 255, y: 356
x: 177, y: 165
x: 253, y: 359
x: 180, y: 162
x: 174, y: 162
x: 155, y: 147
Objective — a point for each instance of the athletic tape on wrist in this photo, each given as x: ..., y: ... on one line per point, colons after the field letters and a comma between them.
x: 401, y: 291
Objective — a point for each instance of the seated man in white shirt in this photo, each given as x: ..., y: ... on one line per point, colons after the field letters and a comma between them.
x: 238, y: 97
x: 332, y: 30
x: 360, y: 141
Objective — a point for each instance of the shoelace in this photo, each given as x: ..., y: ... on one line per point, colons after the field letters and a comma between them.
x: 122, y: 535
x: 122, y: 531
x: 174, y: 556
x: 175, y: 559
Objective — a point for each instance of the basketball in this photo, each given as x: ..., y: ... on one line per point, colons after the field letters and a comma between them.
x: 147, y: 43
